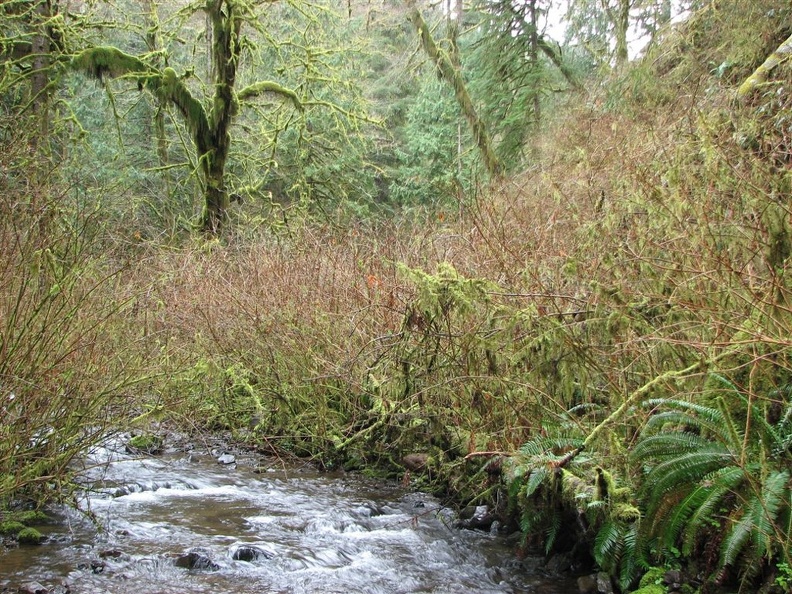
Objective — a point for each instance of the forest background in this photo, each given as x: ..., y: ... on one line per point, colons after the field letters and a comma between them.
x: 426, y: 240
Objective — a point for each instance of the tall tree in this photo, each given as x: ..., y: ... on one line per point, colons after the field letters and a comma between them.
x: 515, y: 64
x: 209, y: 118
x: 30, y: 44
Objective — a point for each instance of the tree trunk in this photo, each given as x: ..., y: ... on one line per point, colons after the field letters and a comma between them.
x: 453, y: 76
x: 534, y: 57
x: 153, y: 45
x: 620, y: 18
x: 225, y: 57
x: 760, y: 75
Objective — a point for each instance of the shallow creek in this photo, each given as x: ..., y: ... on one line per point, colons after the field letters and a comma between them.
x: 274, y: 530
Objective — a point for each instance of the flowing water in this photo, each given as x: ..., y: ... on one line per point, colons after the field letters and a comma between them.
x: 178, y: 524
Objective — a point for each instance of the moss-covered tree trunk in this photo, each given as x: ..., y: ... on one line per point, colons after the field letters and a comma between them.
x: 453, y: 76
x: 226, y: 25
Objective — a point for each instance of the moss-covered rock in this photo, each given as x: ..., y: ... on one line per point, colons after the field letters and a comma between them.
x: 145, y: 443
x: 11, y: 528
x: 30, y: 536
x: 31, y: 518
x: 652, y: 577
x: 651, y: 589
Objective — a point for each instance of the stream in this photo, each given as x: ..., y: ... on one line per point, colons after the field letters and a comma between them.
x: 183, y: 522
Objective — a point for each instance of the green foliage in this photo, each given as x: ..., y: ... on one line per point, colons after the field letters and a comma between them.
x: 429, y: 161
x: 146, y: 443
x: 718, y: 470
x: 550, y: 490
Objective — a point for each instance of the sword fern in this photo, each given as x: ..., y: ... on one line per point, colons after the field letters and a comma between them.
x: 721, y: 471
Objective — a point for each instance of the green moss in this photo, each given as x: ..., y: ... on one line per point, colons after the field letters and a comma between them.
x: 652, y: 589
x: 31, y: 518
x: 30, y: 536
x: 11, y: 528
x: 107, y: 60
x: 145, y: 442
x: 652, y: 577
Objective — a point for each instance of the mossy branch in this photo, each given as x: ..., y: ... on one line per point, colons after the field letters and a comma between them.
x: 555, y: 58
x: 170, y: 88
x: 104, y: 61
x: 760, y: 75
x: 110, y: 61
x: 633, y: 399
x: 268, y: 86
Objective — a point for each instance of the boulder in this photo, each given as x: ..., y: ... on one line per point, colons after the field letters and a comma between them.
x: 587, y: 584
x: 196, y: 559
x: 476, y: 518
x: 250, y: 553
x: 604, y: 583
x: 226, y: 459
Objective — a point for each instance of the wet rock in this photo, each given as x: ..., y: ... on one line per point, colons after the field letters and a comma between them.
x: 32, y: 588
x: 97, y: 566
x: 196, y: 559
x: 110, y: 554
x: 604, y: 583
x: 250, y: 553
x: 480, y: 519
x: 587, y: 584
x: 673, y: 579
x: 559, y: 563
x: 226, y: 459
x: 63, y: 588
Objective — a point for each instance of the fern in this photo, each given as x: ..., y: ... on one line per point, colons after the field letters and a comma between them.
x: 706, y: 471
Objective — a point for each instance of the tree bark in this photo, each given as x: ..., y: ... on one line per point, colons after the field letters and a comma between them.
x: 534, y: 57
x: 620, y: 19
x: 40, y: 77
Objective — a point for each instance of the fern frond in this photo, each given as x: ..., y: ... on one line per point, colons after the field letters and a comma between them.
x: 734, y: 434
x: 544, y: 445
x: 668, y: 445
x: 552, y: 531
x: 535, y: 480
x: 630, y: 567
x: 683, y: 472
x: 711, y: 492
x: 742, y: 532
x: 608, y: 545
x: 698, y: 415
x: 769, y: 501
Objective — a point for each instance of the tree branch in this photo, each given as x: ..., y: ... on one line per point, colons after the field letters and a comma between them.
x: 760, y: 75
x: 268, y: 86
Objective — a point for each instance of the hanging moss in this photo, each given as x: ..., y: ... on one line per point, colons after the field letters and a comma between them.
x: 171, y: 88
